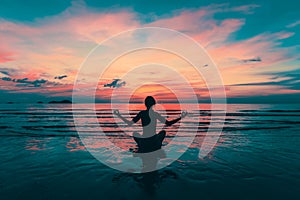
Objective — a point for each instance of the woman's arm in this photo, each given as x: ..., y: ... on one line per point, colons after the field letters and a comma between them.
x: 128, y: 122
x: 169, y: 123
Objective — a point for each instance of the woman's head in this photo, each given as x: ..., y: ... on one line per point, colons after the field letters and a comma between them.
x: 149, y: 102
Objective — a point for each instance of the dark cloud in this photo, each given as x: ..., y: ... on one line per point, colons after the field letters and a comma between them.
x: 258, y: 83
x: 291, y: 83
x: 252, y: 60
x: 25, y: 81
x: 116, y: 83
x: 6, y: 79
x: 60, y: 77
x: 5, y: 72
x: 273, y: 98
x: 290, y: 80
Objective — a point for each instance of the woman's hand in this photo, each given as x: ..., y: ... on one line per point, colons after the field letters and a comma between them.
x: 183, y: 114
x: 116, y: 112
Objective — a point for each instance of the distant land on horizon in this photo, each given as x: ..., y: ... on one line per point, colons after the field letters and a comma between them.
x: 60, y: 102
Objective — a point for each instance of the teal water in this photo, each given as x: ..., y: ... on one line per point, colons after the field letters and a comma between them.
x: 256, y: 157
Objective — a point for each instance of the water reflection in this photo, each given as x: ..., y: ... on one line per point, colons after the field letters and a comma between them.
x: 150, y: 162
x: 149, y: 182
x: 35, y: 145
x: 75, y: 144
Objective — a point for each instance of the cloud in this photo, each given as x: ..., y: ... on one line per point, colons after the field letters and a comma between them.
x: 60, y: 77
x: 292, y: 25
x: 247, y: 9
x: 6, y: 79
x: 251, y: 60
x: 266, y: 44
x: 269, y: 98
x: 25, y: 82
x: 5, y: 73
x: 289, y: 80
x: 258, y: 84
x: 201, y: 25
x: 63, y: 41
x: 5, y: 56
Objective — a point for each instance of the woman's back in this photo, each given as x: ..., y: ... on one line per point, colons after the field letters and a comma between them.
x: 149, y: 121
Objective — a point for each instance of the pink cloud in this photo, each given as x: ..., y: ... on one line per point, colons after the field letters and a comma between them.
x: 5, y: 56
x: 231, y: 56
x: 247, y: 9
x: 201, y: 25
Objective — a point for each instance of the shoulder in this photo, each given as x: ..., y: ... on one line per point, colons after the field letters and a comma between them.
x: 156, y: 113
x: 143, y: 112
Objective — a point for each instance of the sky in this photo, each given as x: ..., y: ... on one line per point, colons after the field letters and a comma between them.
x: 254, y: 44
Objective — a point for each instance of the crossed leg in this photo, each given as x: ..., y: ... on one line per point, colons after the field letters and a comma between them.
x: 154, y: 142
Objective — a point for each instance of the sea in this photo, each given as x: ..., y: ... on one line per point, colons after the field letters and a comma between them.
x: 257, y: 154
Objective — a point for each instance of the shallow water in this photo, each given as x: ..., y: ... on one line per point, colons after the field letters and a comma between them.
x: 256, y: 157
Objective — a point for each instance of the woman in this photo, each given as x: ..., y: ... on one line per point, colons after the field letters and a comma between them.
x: 149, y: 140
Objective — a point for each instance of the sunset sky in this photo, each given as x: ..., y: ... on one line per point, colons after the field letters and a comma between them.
x: 255, y: 45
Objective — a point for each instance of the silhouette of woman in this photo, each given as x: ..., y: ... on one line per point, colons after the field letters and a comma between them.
x: 149, y: 140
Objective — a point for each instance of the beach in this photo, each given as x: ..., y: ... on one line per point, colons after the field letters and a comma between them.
x: 256, y: 157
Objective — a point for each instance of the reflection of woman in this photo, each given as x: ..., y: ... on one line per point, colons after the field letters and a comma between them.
x: 149, y: 140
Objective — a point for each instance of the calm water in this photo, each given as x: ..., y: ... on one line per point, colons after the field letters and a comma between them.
x: 256, y: 157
